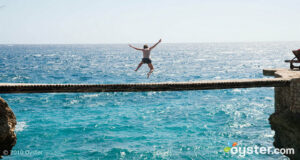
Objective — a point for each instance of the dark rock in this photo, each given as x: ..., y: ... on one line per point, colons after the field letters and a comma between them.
x: 7, y: 128
x: 286, y: 125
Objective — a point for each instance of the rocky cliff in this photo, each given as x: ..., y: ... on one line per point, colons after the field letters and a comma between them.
x: 286, y: 119
x: 287, y: 131
x: 7, y: 128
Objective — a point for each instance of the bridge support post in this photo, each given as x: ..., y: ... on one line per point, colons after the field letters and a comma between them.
x: 282, y: 98
x: 295, y: 95
x: 288, y: 97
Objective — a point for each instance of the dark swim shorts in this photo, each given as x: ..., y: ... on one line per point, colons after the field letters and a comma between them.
x: 146, y: 60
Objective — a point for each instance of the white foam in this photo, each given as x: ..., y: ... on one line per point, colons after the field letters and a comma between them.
x: 21, y: 126
x: 237, y: 90
x: 123, y: 154
x: 90, y: 95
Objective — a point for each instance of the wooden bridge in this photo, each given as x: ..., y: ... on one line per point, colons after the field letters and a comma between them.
x: 143, y: 87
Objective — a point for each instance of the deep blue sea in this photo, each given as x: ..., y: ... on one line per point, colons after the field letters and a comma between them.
x: 144, y: 125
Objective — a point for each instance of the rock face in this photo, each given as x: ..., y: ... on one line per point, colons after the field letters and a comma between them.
x: 287, y: 131
x: 7, y: 128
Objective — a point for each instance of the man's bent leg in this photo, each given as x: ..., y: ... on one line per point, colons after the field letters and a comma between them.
x: 138, y: 66
x: 151, y: 69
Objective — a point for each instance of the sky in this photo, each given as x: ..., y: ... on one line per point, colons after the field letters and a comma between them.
x: 140, y: 21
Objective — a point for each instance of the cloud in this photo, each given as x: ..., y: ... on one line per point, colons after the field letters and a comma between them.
x: 2, y: 6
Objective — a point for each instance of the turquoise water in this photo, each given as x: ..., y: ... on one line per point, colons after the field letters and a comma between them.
x: 146, y: 125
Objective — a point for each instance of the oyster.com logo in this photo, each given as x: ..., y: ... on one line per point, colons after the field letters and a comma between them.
x: 242, y: 151
x: 230, y: 145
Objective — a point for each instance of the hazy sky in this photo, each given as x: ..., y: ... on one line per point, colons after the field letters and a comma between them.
x: 138, y: 21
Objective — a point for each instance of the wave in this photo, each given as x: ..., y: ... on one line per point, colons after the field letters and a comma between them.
x: 21, y: 126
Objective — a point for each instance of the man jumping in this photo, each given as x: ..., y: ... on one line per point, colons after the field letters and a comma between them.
x: 146, y: 56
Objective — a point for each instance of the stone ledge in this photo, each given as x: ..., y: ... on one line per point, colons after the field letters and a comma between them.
x: 282, y: 73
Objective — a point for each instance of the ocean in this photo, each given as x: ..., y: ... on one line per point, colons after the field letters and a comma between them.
x: 142, y: 125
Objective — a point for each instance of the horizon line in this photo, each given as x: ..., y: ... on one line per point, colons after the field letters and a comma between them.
x: 142, y: 43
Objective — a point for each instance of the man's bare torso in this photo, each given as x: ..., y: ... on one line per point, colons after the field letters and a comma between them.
x: 146, y: 53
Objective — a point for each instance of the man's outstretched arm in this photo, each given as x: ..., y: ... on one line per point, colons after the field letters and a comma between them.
x: 135, y: 47
x: 155, y: 44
